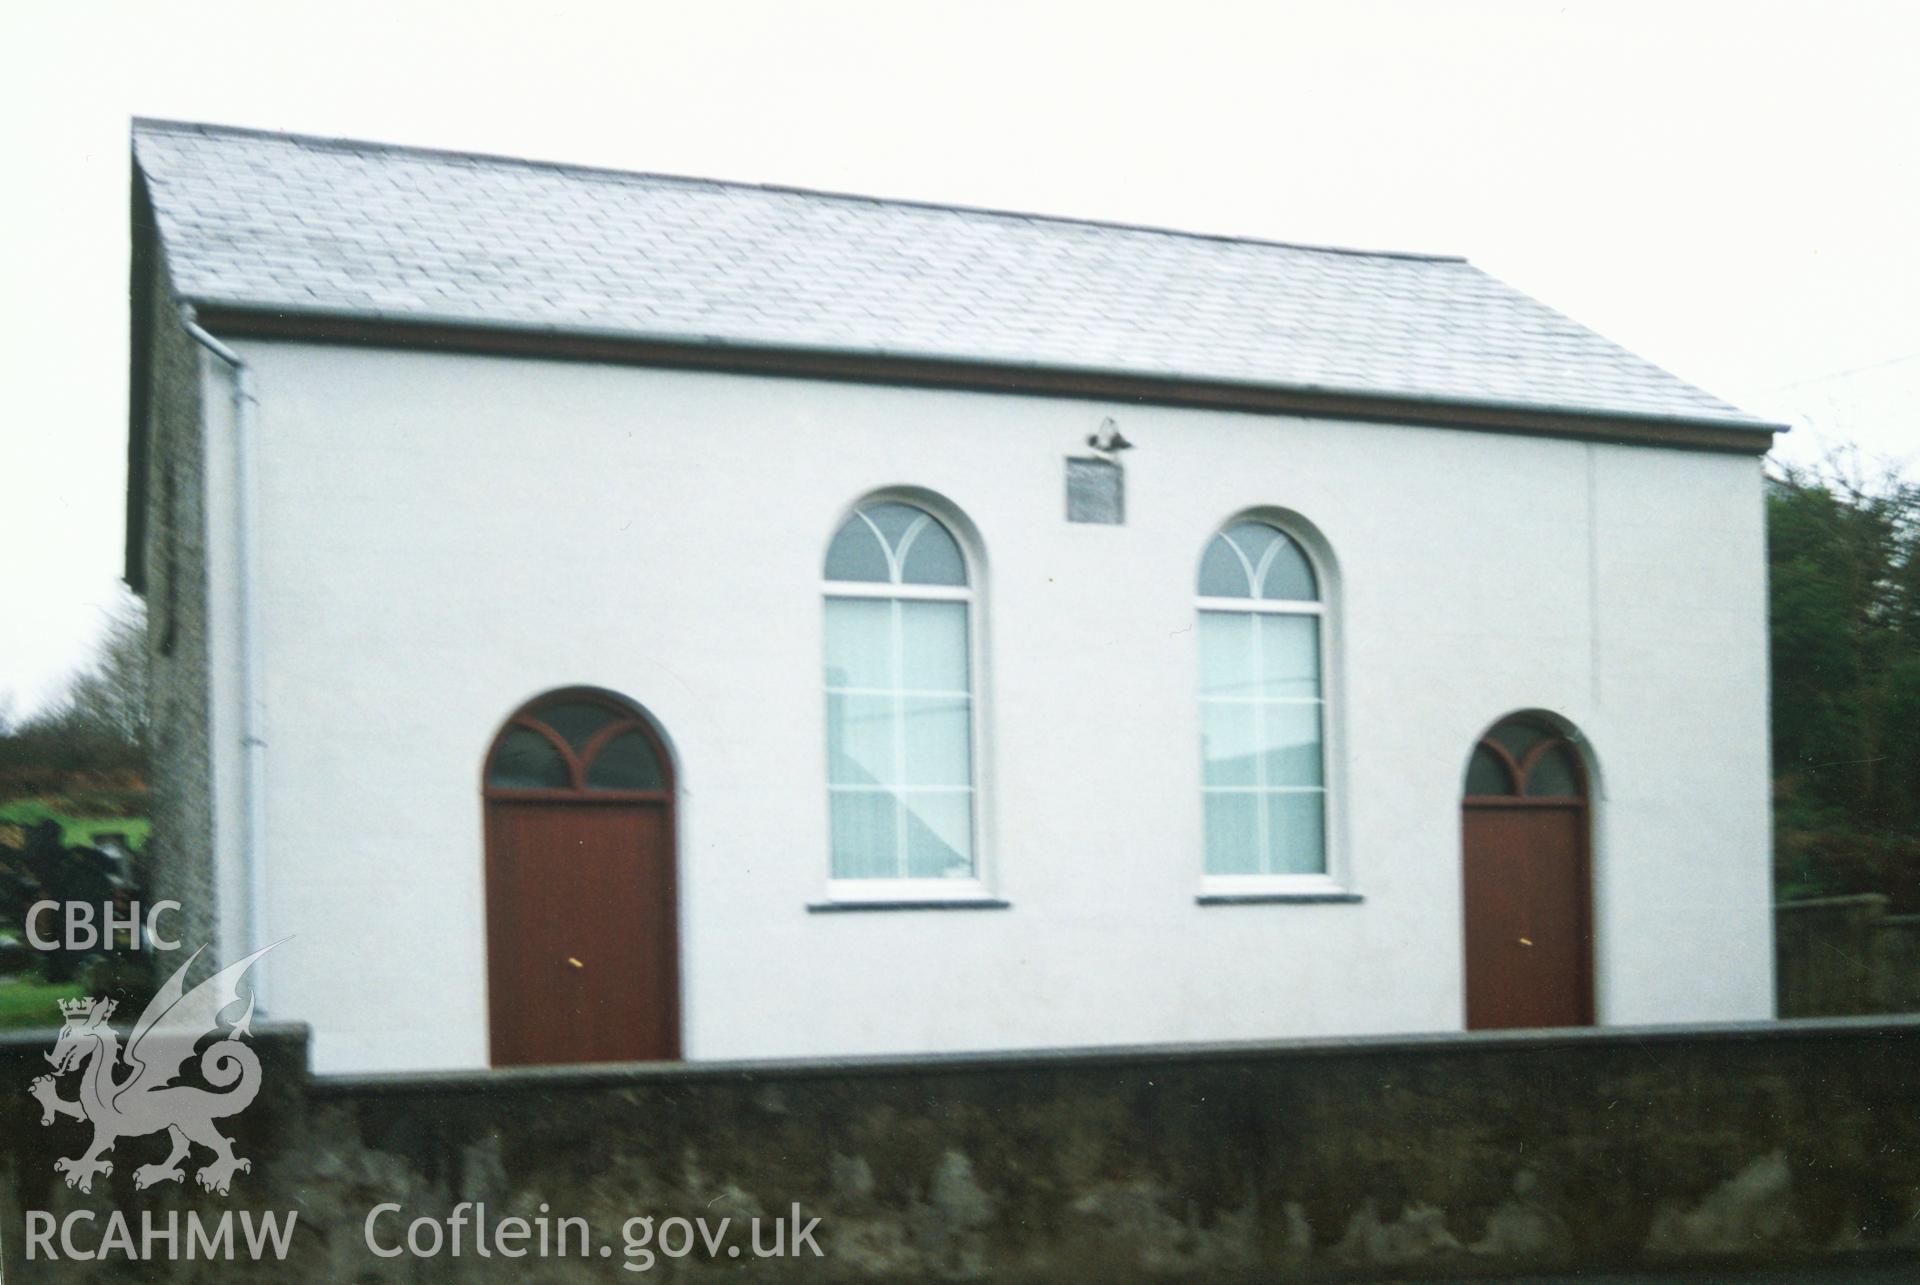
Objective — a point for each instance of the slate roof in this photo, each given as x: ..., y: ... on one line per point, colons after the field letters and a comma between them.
x: 276, y: 222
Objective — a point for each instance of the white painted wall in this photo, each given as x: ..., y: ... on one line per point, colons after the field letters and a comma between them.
x: 445, y: 537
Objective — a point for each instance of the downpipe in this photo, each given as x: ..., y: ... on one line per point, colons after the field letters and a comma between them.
x: 253, y: 745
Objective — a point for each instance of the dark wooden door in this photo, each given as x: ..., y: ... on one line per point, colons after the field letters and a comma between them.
x: 1527, y: 886
x: 582, y: 939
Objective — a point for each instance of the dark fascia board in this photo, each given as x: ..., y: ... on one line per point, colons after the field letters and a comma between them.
x: 265, y: 322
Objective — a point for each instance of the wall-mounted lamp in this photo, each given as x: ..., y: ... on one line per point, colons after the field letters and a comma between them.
x: 1107, y: 439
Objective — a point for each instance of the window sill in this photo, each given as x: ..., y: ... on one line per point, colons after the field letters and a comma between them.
x: 1328, y: 898
x: 918, y: 903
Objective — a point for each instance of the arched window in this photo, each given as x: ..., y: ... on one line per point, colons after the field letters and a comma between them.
x: 900, y: 711
x: 1523, y: 758
x: 1262, y: 705
x: 577, y: 742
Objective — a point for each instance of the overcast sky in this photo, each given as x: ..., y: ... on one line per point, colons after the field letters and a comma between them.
x: 1728, y: 189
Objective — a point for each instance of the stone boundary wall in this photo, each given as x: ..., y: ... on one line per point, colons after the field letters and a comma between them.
x: 1900, y: 964
x: 1845, y: 955
x: 1671, y: 1149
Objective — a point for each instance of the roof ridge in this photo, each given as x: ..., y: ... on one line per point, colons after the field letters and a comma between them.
x: 337, y: 143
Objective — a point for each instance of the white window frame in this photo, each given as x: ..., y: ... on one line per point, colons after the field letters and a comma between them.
x: 1333, y: 881
x: 921, y: 892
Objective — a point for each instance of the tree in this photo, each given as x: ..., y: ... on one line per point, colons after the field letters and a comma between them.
x: 109, y: 698
x: 84, y: 753
x: 1844, y: 558
x: 99, y: 722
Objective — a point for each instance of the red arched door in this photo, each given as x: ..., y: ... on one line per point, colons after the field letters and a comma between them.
x: 583, y: 954
x: 1528, y: 883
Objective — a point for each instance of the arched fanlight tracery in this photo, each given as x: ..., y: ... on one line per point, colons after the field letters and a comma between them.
x: 1523, y: 758
x: 577, y: 743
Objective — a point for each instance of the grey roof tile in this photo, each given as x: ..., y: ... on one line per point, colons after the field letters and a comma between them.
x: 257, y: 220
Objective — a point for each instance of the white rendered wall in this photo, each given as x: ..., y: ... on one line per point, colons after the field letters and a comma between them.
x: 445, y: 537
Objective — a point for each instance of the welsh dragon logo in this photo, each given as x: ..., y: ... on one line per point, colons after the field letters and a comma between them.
x: 127, y: 1093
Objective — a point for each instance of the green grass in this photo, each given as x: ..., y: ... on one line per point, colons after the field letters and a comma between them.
x: 76, y: 831
x: 27, y: 1003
